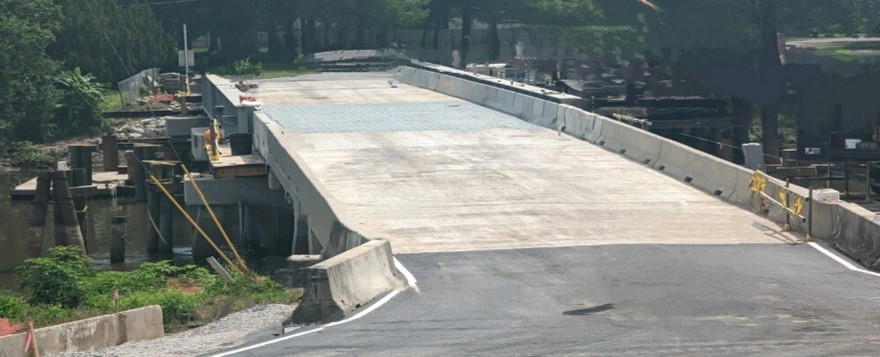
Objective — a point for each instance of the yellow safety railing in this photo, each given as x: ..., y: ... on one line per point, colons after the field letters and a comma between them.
x: 792, y: 203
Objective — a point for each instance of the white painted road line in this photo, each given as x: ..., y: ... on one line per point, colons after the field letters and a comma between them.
x: 410, y: 279
x: 843, y: 261
x: 411, y: 282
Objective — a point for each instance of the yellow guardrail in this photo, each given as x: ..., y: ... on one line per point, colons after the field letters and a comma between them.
x: 792, y: 203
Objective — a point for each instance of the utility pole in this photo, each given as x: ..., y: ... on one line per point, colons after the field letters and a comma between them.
x: 186, y: 59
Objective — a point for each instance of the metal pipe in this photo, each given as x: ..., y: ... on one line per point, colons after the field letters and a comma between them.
x: 810, y: 215
x: 868, y: 181
x: 787, y: 203
x: 192, y: 222
x: 786, y: 209
x: 195, y: 186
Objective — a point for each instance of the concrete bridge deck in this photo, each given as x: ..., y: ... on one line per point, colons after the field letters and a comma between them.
x: 527, y: 241
x: 431, y: 173
x: 595, y: 239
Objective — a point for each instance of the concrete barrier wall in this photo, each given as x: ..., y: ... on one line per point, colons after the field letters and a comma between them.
x: 640, y: 146
x: 347, y: 281
x: 90, y: 334
x: 856, y: 233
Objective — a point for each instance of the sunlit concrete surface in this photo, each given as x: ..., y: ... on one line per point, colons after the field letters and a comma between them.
x: 433, y: 173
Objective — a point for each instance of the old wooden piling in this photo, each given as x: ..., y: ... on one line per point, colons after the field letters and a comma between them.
x: 80, y: 157
x: 69, y: 225
x: 139, y: 176
x: 160, y: 225
x: 80, y: 202
x: 153, y: 206
x: 117, y: 239
x: 166, y: 224
x: 39, y: 209
x: 110, y: 150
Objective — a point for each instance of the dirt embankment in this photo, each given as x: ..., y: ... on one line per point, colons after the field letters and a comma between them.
x: 125, y: 129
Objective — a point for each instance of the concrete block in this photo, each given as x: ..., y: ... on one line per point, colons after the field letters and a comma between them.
x: 513, y: 102
x: 432, y: 80
x: 444, y: 84
x: 342, y: 239
x: 634, y: 143
x: 182, y: 126
x: 491, y: 99
x: 341, y: 284
x: 142, y: 324
x: 826, y: 195
x: 754, y: 155
x: 824, y: 215
x: 858, y: 234
x: 231, y: 191
x: 91, y: 334
x: 261, y: 134
x: 710, y: 174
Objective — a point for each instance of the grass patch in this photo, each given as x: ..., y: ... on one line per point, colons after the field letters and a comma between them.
x: 278, y: 70
x: 111, y: 102
x: 247, y: 71
x: 62, y: 288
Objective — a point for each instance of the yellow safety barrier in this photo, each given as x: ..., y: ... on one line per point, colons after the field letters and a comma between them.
x: 790, y: 202
x: 759, y: 183
x: 798, y: 206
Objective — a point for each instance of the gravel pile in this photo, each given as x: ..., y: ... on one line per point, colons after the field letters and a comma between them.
x: 142, y: 128
x: 223, y: 334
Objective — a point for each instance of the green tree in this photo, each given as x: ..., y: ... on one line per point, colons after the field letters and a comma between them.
x: 110, y: 41
x: 27, y: 91
x: 78, y: 111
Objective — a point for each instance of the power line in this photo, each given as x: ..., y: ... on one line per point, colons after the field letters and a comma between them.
x: 130, y: 74
x: 161, y: 3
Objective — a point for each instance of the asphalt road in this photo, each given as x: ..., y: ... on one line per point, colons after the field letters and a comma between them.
x: 615, y: 300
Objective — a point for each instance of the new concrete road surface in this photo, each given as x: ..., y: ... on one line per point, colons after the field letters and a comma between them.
x: 526, y: 242
x: 433, y: 173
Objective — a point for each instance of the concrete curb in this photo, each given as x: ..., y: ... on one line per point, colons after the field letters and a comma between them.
x: 347, y: 281
x: 90, y: 334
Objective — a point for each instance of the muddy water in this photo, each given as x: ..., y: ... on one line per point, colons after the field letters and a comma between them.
x: 15, y: 218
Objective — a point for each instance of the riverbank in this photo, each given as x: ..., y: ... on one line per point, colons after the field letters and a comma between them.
x: 29, y: 156
x: 64, y: 287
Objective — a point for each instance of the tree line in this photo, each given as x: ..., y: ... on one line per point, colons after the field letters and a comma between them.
x: 54, y: 52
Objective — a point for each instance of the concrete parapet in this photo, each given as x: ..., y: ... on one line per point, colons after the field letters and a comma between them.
x: 347, y: 281
x: 638, y: 145
x: 857, y: 233
x: 699, y: 169
x: 90, y: 334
